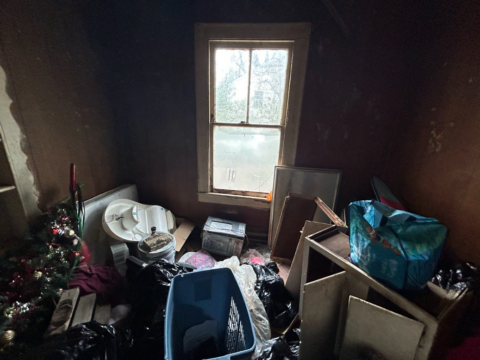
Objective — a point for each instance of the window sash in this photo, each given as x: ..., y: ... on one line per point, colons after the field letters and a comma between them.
x: 246, y: 45
x: 249, y: 45
x: 212, y: 162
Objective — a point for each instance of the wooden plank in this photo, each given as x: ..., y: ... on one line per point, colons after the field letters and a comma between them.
x: 237, y: 200
x: 102, y: 314
x: 63, y: 313
x: 295, y: 275
x: 320, y: 317
x: 329, y: 212
x: 352, y: 287
x: 6, y: 188
x: 393, y: 336
x: 296, y: 210
x: 338, y: 243
x: 85, y: 308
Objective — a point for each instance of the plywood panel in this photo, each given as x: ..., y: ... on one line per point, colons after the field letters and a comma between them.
x: 295, y: 275
x: 102, y: 314
x: 296, y: 209
x: 320, y: 317
x: 63, y: 313
x: 355, y: 288
x: 372, y: 328
x: 85, y: 309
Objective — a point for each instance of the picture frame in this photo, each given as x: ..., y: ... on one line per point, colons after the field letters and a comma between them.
x: 322, y: 183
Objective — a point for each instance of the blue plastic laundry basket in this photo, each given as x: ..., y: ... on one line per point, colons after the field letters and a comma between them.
x: 204, y: 296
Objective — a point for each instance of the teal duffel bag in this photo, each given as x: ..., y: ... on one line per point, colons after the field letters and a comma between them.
x: 398, y: 248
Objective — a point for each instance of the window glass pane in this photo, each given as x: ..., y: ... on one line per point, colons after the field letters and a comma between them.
x: 231, y: 85
x: 269, y: 69
x: 244, y: 158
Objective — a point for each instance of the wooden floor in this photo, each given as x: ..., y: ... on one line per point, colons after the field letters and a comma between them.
x: 284, y: 270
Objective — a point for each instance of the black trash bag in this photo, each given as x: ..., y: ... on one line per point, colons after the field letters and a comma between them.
x: 275, y: 297
x: 459, y: 277
x: 85, y: 341
x: 148, y: 296
x: 285, y: 347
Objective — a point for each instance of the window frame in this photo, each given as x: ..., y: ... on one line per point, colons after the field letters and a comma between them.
x: 207, y: 38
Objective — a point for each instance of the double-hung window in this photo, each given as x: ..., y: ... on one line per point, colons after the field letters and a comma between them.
x: 249, y: 88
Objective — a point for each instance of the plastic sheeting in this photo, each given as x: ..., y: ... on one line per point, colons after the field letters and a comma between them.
x: 247, y: 280
x: 148, y: 296
x: 275, y: 297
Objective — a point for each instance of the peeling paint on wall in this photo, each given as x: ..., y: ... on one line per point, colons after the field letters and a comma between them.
x: 434, y: 144
x: 13, y: 140
x: 326, y: 134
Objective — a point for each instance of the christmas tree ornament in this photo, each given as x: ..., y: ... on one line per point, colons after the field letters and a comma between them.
x: 33, y: 277
x: 69, y: 233
x: 9, y: 312
x: 7, y: 338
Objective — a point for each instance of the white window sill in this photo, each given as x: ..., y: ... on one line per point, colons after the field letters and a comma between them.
x: 235, y: 200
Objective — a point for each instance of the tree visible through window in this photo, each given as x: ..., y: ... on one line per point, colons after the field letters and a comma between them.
x: 248, y: 116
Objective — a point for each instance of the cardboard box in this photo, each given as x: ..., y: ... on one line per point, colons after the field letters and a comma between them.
x: 181, y: 235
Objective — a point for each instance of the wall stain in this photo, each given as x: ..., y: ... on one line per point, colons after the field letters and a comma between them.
x: 434, y: 144
x: 326, y: 134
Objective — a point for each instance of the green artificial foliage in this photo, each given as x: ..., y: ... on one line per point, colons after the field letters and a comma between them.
x: 33, y: 276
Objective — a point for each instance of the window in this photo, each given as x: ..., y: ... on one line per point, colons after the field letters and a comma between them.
x: 249, y: 87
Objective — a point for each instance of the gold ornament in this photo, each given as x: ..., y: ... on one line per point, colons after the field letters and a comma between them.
x: 37, y: 275
x: 9, y: 312
x: 7, y: 338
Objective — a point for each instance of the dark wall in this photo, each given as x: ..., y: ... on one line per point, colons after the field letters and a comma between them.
x: 352, y: 100
x: 57, y: 98
x: 435, y: 162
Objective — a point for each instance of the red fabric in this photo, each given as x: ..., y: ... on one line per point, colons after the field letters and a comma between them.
x: 468, y: 350
x: 391, y: 203
x: 85, y: 252
x: 104, y: 281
